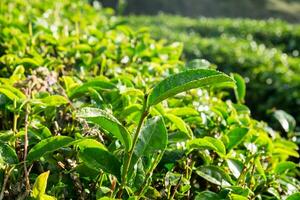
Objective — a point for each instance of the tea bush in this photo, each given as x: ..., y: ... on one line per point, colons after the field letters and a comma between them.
x: 248, y: 47
x: 92, y: 109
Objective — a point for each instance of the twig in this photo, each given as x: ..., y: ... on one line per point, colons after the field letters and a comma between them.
x: 6, y: 177
x: 176, y: 187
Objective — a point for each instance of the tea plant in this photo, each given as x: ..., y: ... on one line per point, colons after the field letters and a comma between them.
x: 91, y: 109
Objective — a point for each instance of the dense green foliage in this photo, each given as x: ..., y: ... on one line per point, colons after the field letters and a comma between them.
x: 258, y: 9
x: 251, y: 48
x: 92, y: 109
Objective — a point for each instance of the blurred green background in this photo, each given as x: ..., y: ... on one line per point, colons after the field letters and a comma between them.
x: 258, y: 9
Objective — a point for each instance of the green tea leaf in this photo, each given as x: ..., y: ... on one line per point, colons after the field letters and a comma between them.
x: 238, y: 197
x: 153, y: 137
x: 98, y: 83
x: 284, y: 166
x: 295, y: 196
x: 48, y: 145
x: 240, y: 89
x: 7, y: 154
x: 179, y: 123
x: 30, y: 62
x: 100, y: 159
x: 236, y: 136
x: 207, y: 143
x: 54, y: 100
x: 208, y: 195
x: 39, y: 187
x: 107, y: 122
x: 11, y: 92
x: 185, y: 81
x: 214, y: 175
x: 183, y: 111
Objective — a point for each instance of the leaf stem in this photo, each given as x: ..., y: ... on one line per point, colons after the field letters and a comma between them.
x: 26, y: 119
x: 144, y: 114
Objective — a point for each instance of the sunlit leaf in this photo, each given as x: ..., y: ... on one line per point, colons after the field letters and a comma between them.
x: 207, y: 143
x: 185, y: 81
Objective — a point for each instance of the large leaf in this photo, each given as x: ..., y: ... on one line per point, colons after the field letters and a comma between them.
x: 208, y: 195
x: 214, y: 175
x: 207, y: 143
x: 48, y: 145
x: 7, y: 154
x: 185, y: 81
x: 107, y: 122
x: 98, y: 83
x: 100, y: 159
x: 153, y: 137
x: 236, y: 136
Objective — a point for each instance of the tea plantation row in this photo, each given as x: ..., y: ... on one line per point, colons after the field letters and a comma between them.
x: 254, y: 49
x: 93, y: 109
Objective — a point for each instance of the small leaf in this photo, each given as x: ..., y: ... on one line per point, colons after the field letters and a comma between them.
x: 237, y: 197
x: 48, y: 145
x: 54, y: 100
x: 207, y: 143
x: 236, y: 136
x: 214, y: 175
x: 98, y: 83
x: 240, y: 88
x: 183, y: 111
x: 284, y: 166
x: 184, y: 81
x: 179, y: 123
x: 107, y: 122
x: 287, y: 121
x: 260, y: 168
x: 40, y: 185
x: 7, y: 154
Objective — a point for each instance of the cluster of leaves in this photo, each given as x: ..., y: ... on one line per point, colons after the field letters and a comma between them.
x: 91, y: 109
x: 248, y: 47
